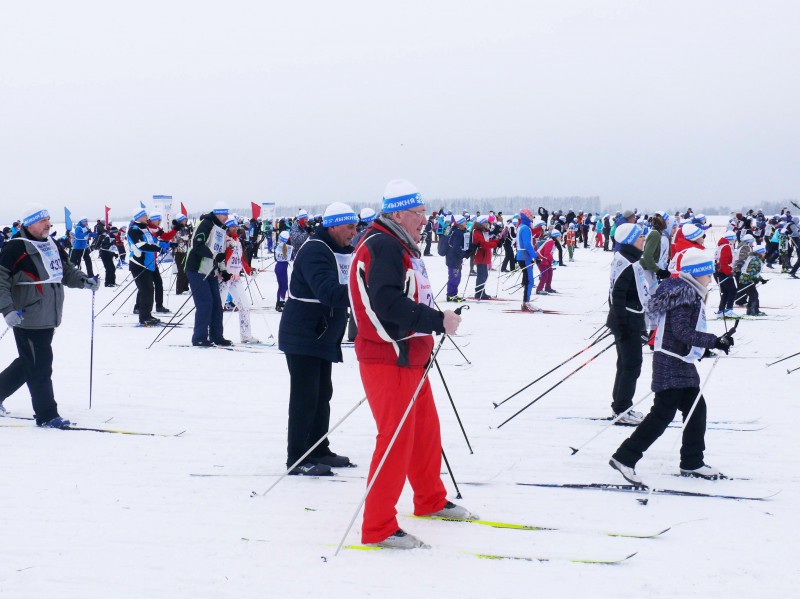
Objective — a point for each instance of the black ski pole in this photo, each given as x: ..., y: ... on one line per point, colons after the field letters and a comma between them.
x: 117, y: 294
x: 114, y: 313
x: 783, y: 359
x: 173, y: 326
x: 171, y: 319
x: 589, y: 361
x: 442, y: 289
x: 91, y: 352
x: 452, y: 403
x: 452, y: 476
x: 602, y: 326
x: 592, y: 344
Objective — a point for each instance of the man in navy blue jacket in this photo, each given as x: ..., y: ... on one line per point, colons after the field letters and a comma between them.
x: 310, y: 334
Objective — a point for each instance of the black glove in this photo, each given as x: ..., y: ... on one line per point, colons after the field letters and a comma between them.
x: 662, y: 274
x: 226, y: 276
x: 537, y: 260
x: 724, y: 343
x: 645, y: 337
x: 762, y: 280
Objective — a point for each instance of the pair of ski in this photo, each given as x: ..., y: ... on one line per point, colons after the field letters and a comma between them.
x: 74, y: 427
x: 525, y: 527
x: 712, y: 425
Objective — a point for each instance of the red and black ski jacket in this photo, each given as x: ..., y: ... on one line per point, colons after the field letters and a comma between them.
x: 385, y: 302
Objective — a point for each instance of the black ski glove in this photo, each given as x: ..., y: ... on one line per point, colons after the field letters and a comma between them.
x: 662, y: 274
x: 724, y: 343
x: 762, y: 280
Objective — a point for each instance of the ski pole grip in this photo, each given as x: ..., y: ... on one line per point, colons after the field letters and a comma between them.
x: 458, y: 310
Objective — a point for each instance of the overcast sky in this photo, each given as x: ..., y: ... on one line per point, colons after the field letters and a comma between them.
x: 646, y: 103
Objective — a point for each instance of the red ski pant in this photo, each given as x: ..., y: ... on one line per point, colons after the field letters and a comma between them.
x: 416, y: 454
x: 546, y: 275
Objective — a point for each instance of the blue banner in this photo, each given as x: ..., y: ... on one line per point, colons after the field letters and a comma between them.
x: 162, y: 197
x: 68, y: 218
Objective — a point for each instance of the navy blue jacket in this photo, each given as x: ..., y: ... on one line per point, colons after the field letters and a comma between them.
x: 682, y: 306
x: 315, y: 328
x: 455, y: 249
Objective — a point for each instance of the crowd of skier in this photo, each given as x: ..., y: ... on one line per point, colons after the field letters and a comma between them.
x: 367, y: 269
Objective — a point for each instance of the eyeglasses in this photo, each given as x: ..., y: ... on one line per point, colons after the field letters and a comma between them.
x: 418, y: 213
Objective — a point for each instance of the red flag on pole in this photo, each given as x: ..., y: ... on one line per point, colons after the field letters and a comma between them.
x: 107, y: 211
x: 256, y: 209
x: 183, y: 210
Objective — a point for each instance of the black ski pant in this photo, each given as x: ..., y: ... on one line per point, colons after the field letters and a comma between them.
x: 310, y: 392
x: 796, y: 244
x: 772, y: 252
x: 629, y: 367
x: 110, y: 266
x: 560, y: 252
x: 77, y: 255
x: 665, y: 405
x: 158, y: 288
x: 428, y: 239
x: 33, y: 367
x: 727, y: 289
x: 753, y: 303
x: 509, y: 258
x: 144, y: 295
x: 181, y: 282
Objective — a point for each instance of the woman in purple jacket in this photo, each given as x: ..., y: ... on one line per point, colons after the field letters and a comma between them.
x: 681, y: 340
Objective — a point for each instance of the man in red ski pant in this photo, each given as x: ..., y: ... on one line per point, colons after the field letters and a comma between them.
x: 392, y: 302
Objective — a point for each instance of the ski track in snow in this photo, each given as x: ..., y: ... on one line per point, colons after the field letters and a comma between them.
x: 94, y: 515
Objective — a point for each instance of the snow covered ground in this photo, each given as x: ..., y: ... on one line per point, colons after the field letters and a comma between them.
x: 86, y: 514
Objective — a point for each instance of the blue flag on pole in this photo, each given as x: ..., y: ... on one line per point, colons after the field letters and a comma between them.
x: 141, y: 203
x: 67, y: 218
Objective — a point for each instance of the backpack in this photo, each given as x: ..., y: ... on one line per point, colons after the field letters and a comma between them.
x: 441, y: 245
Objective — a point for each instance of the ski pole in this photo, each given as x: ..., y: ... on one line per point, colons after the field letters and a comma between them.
x: 589, y: 361
x: 610, y: 424
x: 782, y: 359
x: 171, y: 327
x: 683, y: 425
x: 166, y: 326
x: 466, y: 284
x: 592, y: 344
x: 117, y: 294
x: 442, y: 289
x: 792, y: 370
x: 114, y: 313
x: 602, y: 326
x: 310, y: 449
x: 452, y: 403
x: 456, y: 345
x: 91, y: 352
x: 394, y: 436
x: 451, y: 338
x: 452, y: 476
x: 532, y: 280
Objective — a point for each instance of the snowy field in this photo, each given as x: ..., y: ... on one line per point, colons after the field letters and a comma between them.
x: 87, y: 514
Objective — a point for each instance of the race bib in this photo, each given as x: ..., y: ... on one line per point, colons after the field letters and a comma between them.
x: 424, y: 290
x: 217, y: 240
x: 51, y: 260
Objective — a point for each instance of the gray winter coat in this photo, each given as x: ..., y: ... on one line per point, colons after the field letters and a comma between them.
x: 41, y: 304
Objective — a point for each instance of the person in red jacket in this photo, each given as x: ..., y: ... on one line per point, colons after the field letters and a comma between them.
x: 688, y: 236
x: 545, y: 264
x: 392, y: 302
x: 723, y: 261
x: 483, y: 254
